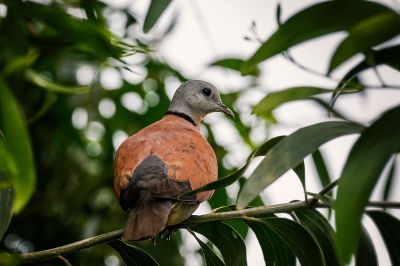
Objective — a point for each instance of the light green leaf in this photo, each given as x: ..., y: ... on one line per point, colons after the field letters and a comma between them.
x: 389, y: 227
x: 210, y: 257
x: 47, y: 84
x: 21, y: 62
x: 361, y: 172
x: 322, y: 231
x: 156, y: 8
x: 226, y: 239
x: 365, y: 35
x: 274, y: 248
x: 275, y: 99
x: 235, y: 64
x: 290, y: 152
x: 18, y: 144
x: 132, y: 256
x: 366, y: 253
x: 6, y: 204
x: 315, y: 21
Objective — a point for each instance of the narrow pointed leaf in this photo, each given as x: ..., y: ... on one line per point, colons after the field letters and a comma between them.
x: 132, y: 256
x: 290, y: 152
x: 234, y: 64
x: 274, y: 248
x: 156, y: 8
x: 18, y: 144
x: 322, y: 170
x: 226, y: 239
x: 322, y: 231
x: 210, y: 257
x: 389, y: 181
x: 366, y: 253
x: 275, y: 99
x: 6, y: 205
x: 315, y: 21
x: 361, y: 172
x: 300, y: 171
x: 389, y: 227
x: 365, y: 35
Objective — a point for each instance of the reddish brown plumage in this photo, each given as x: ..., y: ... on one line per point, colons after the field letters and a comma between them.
x: 187, y: 154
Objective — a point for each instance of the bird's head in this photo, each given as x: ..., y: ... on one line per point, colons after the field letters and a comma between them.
x: 197, y: 98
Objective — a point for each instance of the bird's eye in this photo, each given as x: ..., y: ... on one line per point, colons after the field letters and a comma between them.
x: 206, y: 91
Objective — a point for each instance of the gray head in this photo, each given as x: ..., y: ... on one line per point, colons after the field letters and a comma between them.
x: 197, y: 98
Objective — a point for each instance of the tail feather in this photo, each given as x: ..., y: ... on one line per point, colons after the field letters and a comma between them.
x: 148, y: 219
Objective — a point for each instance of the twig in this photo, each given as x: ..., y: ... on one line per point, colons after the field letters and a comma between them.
x: 255, y: 212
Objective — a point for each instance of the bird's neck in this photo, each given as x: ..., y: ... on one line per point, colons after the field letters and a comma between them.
x: 186, y: 113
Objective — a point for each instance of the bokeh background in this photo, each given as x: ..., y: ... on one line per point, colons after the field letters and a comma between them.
x: 75, y: 140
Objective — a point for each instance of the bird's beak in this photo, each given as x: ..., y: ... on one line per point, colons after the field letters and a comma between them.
x: 224, y: 109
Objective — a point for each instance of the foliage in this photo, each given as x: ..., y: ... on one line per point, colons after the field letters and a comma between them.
x: 57, y: 140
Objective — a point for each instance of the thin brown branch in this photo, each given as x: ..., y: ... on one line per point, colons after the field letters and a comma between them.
x: 255, y: 212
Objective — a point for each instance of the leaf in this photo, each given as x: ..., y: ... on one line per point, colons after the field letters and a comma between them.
x: 235, y: 64
x: 209, y: 255
x: 300, y: 171
x: 366, y: 34
x: 18, y: 145
x: 389, y: 181
x: 329, y: 108
x: 274, y: 99
x: 274, y: 248
x: 49, y: 101
x: 132, y: 256
x: 315, y: 21
x: 366, y: 254
x: 49, y: 85
x: 6, y: 204
x: 156, y: 8
x: 321, y: 168
x: 362, y: 169
x: 389, y: 227
x: 297, y: 238
x: 289, y: 152
x: 226, y: 239
x: 20, y: 62
x: 322, y: 231
x: 230, y: 179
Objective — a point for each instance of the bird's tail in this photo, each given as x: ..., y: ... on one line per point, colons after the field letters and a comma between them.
x: 148, y: 219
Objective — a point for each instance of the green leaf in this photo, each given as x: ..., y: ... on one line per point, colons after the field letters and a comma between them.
x: 389, y: 181
x: 366, y: 34
x: 315, y: 21
x: 364, y: 164
x: 6, y: 204
x: 297, y: 238
x: 300, y: 171
x: 18, y: 144
x: 366, y: 254
x: 226, y: 239
x: 322, y: 231
x: 321, y: 168
x: 132, y: 256
x: 389, y: 227
x: 274, y: 99
x: 49, y: 85
x: 209, y: 255
x: 235, y: 64
x: 274, y: 248
x: 20, y: 62
x: 156, y: 8
x: 290, y: 152
x: 230, y: 179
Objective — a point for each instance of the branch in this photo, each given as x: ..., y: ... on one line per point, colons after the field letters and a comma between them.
x: 255, y: 212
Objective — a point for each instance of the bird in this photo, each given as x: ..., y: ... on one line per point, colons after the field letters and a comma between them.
x: 155, y: 166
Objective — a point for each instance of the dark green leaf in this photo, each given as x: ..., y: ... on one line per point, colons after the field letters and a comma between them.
x: 300, y: 171
x: 132, y: 256
x: 290, y: 152
x: 322, y: 231
x: 274, y: 99
x: 18, y: 144
x: 9, y: 259
x: 49, y: 101
x: 317, y: 20
x: 366, y: 34
x: 6, y: 204
x: 226, y: 239
x: 274, y: 248
x: 235, y: 64
x: 389, y: 227
x: 366, y: 254
x: 389, y: 180
x: 298, y: 239
x: 156, y: 8
x: 361, y: 172
x: 209, y: 255
x: 322, y: 170
x: 230, y: 179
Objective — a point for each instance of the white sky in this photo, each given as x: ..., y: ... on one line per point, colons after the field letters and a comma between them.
x: 207, y: 30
